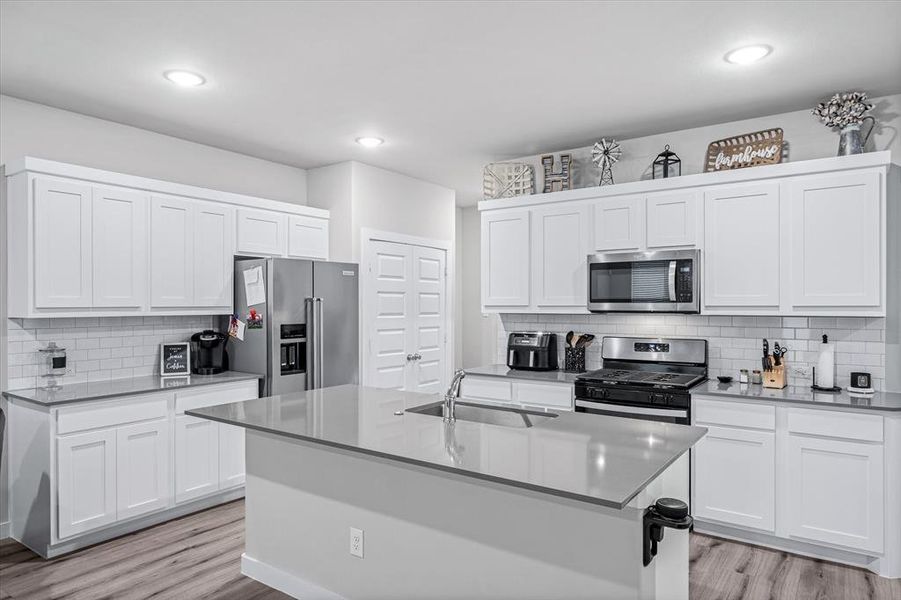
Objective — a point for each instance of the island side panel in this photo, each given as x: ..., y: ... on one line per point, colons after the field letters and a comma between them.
x: 428, y: 534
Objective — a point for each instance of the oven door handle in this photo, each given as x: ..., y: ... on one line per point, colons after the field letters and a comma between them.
x: 633, y: 410
x: 672, y: 281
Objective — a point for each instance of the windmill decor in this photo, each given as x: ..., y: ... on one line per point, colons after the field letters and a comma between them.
x: 604, y: 154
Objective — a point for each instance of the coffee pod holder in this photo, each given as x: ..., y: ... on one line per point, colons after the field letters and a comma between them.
x: 666, y: 512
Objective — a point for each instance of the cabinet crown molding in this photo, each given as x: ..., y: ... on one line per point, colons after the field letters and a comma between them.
x: 806, y: 167
x: 91, y: 175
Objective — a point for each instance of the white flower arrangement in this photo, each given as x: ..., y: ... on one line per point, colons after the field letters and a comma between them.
x: 843, y: 109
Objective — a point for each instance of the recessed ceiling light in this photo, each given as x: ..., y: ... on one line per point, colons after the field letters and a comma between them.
x: 747, y: 54
x: 184, y: 78
x: 370, y: 142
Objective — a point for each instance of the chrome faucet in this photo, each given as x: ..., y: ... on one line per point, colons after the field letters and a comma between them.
x: 450, y: 398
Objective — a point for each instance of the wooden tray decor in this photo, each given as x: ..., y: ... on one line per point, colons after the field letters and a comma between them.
x: 746, y: 150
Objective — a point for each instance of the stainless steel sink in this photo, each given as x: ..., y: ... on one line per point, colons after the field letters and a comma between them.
x: 505, y: 417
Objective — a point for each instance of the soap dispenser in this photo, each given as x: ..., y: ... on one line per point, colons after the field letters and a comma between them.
x: 824, y: 372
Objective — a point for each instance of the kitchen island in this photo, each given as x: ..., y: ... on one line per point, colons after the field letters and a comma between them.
x: 534, y: 505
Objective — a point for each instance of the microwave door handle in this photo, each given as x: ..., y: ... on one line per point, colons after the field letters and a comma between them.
x: 672, y: 281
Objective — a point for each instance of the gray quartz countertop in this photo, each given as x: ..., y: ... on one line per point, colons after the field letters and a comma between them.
x: 800, y: 395
x: 504, y: 371
x: 97, y: 390
x: 596, y: 459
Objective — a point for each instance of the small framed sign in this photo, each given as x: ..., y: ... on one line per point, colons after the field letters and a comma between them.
x: 175, y: 359
x: 746, y: 150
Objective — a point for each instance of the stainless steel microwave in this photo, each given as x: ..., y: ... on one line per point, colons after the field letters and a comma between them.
x: 663, y: 281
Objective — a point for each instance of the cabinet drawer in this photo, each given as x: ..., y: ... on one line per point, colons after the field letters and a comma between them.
x: 112, y: 413
x: 853, y: 426
x: 544, y: 394
x: 493, y: 388
x: 214, y: 395
x: 735, y: 414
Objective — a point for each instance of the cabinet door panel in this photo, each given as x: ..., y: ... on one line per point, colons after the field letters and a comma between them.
x: 171, y: 252
x: 62, y: 244
x: 86, y: 480
x: 672, y: 219
x: 734, y: 477
x: 505, y: 258
x: 836, y: 492
x: 619, y: 224
x: 196, y: 457
x: 119, y: 247
x: 142, y: 466
x: 262, y: 232
x: 214, y: 250
x: 307, y: 237
x: 836, y: 226
x: 743, y: 251
x: 559, y: 251
x: 231, y: 456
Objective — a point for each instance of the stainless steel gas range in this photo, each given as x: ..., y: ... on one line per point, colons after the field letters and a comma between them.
x: 644, y: 378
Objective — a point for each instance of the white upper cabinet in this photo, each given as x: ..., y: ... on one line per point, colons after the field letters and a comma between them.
x: 84, y: 242
x: 262, y: 232
x: 214, y: 249
x: 837, y: 253
x: 743, y: 250
x: 307, y: 237
x: 559, y: 249
x: 505, y: 258
x: 62, y: 244
x: 619, y: 223
x: 673, y: 219
x: 119, y: 247
x: 171, y: 252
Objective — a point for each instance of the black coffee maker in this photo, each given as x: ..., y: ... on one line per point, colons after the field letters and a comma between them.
x: 208, y: 355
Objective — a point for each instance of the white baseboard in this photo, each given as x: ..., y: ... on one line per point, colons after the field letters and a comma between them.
x: 4, y: 530
x: 284, y: 582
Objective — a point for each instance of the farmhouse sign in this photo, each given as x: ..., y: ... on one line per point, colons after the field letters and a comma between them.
x: 747, y: 150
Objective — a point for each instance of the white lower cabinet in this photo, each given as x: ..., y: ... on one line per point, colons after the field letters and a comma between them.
x: 733, y: 477
x: 835, y: 492
x: 815, y: 476
x: 86, y: 480
x: 196, y: 457
x: 143, y: 476
x: 503, y: 391
x: 132, y: 456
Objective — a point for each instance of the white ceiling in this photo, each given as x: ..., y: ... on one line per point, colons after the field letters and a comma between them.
x: 450, y: 85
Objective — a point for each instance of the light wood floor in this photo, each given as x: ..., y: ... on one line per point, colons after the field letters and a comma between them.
x: 198, y: 557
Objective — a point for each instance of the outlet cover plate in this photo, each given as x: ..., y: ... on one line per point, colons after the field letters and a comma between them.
x: 356, y: 542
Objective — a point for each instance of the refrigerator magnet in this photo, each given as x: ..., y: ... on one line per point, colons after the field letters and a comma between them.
x: 236, y: 328
x: 254, y: 319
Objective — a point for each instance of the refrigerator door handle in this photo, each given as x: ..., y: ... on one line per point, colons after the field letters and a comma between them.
x: 320, y: 343
x: 311, y: 340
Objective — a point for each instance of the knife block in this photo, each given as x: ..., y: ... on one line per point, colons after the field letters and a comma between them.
x: 776, y: 377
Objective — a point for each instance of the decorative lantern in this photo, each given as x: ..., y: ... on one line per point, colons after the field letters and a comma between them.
x: 667, y: 164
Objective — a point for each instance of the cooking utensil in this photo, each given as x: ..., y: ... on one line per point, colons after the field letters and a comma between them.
x: 766, y: 353
x: 585, y: 340
x: 576, y: 338
x: 569, y: 339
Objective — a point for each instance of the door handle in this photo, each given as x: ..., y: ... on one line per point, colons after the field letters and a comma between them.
x: 409, y: 357
x: 417, y: 356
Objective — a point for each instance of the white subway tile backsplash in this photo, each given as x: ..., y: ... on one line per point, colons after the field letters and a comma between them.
x: 734, y: 342
x: 101, y: 348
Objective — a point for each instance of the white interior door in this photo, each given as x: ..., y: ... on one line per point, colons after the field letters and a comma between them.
x: 390, y: 320
x: 405, y: 292
x: 429, y: 311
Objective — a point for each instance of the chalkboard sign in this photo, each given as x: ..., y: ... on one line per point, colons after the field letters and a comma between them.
x: 175, y: 359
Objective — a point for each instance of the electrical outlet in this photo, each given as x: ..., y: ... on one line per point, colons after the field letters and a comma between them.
x: 356, y: 542
x: 801, y: 371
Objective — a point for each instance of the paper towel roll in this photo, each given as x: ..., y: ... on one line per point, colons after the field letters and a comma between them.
x: 826, y: 364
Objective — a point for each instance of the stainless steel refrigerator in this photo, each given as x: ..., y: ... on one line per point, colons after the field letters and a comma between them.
x: 304, y: 334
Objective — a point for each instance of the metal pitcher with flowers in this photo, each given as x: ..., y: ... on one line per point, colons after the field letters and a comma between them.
x: 846, y: 112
